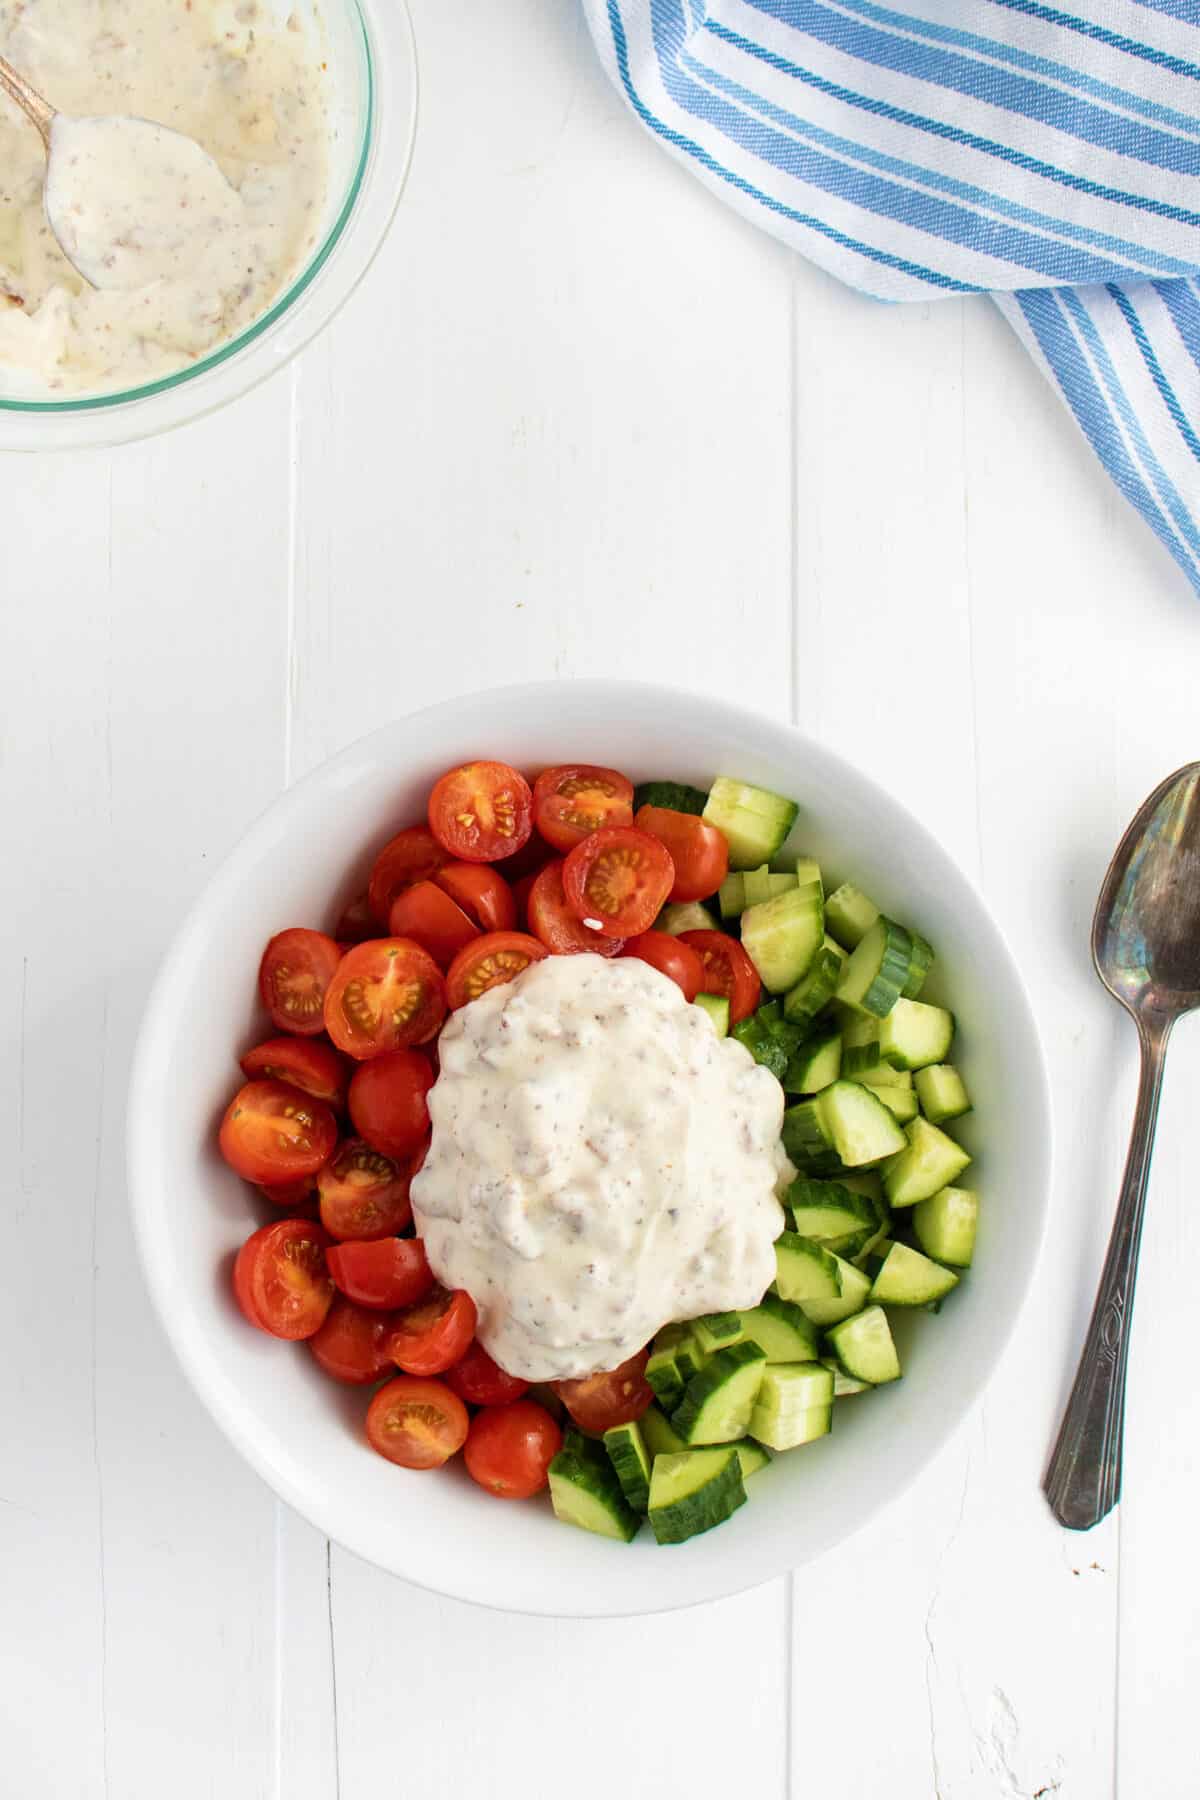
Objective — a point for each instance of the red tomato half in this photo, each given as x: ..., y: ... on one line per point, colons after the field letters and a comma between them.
x: 617, y: 880
x: 432, y: 919
x: 412, y: 855
x: 671, y: 957
x: 434, y: 1334
x: 363, y: 1193
x: 383, y: 1274
x: 576, y: 799
x: 313, y: 1068
x: 483, y: 1382
x: 727, y: 970
x: 551, y: 919
x: 496, y: 957
x: 352, y: 1343
x: 699, y: 851
x: 509, y: 1449
x: 280, y: 1280
x: 387, y: 993
x: 387, y: 1101
x: 272, y: 1132
x: 598, y: 1402
x: 481, y: 811
x: 293, y: 976
x: 417, y: 1424
x: 482, y: 892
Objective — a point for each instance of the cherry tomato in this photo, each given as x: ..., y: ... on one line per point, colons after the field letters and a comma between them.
x: 382, y: 1274
x: 671, y: 957
x: 352, y: 1343
x: 294, y: 1195
x: 598, y: 1402
x: 356, y: 922
x: 412, y: 855
x: 272, y: 1132
x: 387, y: 993
x: 509, y: 1449
x: 483, y: 1382
x: 551, y: 919
x: 432, y: 919
x: 481, y: 811
x: 482, y: 892
x: 293, y: 976
x: 363, y: 1193
x: 280, y: 1280
x: 495, y: 958
x: 571, y: 801
x: 727, y: 970
x: 699, y: 851
x: 617, y: 880
x: 418, y: 1424
x: 387, y: 1101
x: 313, y: 1068
x: 434, y: 1334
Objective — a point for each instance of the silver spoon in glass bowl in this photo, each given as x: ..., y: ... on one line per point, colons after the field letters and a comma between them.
x: 1146, y: 947
x: 128, y: 200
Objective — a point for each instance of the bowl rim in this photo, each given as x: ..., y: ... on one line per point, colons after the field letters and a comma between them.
x: 186, y: 1336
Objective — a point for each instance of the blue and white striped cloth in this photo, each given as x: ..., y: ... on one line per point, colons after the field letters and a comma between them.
x: 1047, y: 155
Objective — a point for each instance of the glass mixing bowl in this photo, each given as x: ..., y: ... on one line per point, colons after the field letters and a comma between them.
x: 373, y: 115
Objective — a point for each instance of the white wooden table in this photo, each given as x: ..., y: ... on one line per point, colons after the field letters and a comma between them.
x: 579, y: 420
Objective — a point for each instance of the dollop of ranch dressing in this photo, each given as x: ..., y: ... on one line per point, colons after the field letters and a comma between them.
x: 601, y: 1163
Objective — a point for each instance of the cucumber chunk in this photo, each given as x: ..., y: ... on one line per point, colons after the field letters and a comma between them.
x: 715, y: 1008
x: 942, y: 1093
x: 768, y: 1037
x: 914, y: 1034
x: 751, y: 1456
x: 628, y: 1455
x: 782, y: 936
x: 859, y: 1060
x: 689, y: 1357
x: 717, y: 1331
x: 755, y: 822
x: 909, y: 1279
x: 862, y: 1128
x: 843, y: 1384
x: 677, y: 796
x: 883, y: 1075
x: 877, y: 969
x: 945, y: 1226
x: 693, y: 1490
x: 922, y: 962
x: 765, y: 884
x: 662, y: 1372
x: 808, y: 1137
x: 864, y: 1348
x: 585, y: 1491
x: 900, y: 1102
x: 817, y: 985
x: 731, y: 896
x: 685, y: 915
x: 658, y: 1434
x: 929, y: 1162
x: 781, y: 1330
x: 719, y: 1399
x: 850, y: 915
x: 814, y: 1065
x: 794, y: 1406
x: 854, y: 1290
x: 825, y: 1209
x: 805, y: 1271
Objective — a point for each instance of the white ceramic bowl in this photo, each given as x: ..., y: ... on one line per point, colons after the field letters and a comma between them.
x: 301, y: 1432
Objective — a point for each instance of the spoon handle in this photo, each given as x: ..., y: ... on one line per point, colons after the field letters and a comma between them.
x: 39, y: 111
x: 1083, y: 1481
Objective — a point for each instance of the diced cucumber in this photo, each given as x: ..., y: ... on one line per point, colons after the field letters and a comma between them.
x: 693, y: 1490
x: 754, y: 821
x: 942, y: 1093
x: 850, y: 915
x: 782, y: 936
x: 805, y: 1271
x: 855, y: 1287
x: 658, y: 1433
x: 857, y: 1027
x: 731, y: 895
x: 814, y: 1065
x: 843, y: 1384
x: 770, y: 1040
x: 900, y: 1102
x: 826, y: 1209
x: 883, y: 1075
x: 877, y: 969
x: 764, y: 884
x: 718, y: 1401
x: 945, y: 1226
x: 780, y: 1329
x: 715, y: 1008
x: 685, y: 915
x: 859, y: 1060
x: 628, y: 1455
x: 863, y: 1346
x: 751, y: 1456
x: 808, y: 1136
x: 689, y: 1357
x: 716, y: 1331
x: 862, y: 1128
x: 677, y: 796
x: 585, y: 1491
x: 929, y: 1162
x: 817, y: 985
x: 914, y: 1034
x: 794, y: 1406
x: 864, y: 1181
x: 909, y: 1279
x: 919, y: 967
x: 662, y: 1372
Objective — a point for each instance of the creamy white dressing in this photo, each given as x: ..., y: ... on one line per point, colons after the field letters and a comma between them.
x: 601, y: 1164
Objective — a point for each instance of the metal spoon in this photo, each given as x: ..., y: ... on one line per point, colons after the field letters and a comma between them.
x: 1146, y: 947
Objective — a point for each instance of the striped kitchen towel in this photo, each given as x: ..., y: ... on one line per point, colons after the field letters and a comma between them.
x: 1047, y: 155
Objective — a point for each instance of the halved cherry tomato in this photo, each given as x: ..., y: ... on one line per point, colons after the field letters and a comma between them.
x: 598, y: 1402
x: 551, y: 919
x: 412, y: 855
x: 578, y: 798
x: 617, y: 879
x: 280, y: 1280
x: 509, y: 1449
x: 351, y: 1345
x: 671, y: 956
x: 727, y: 970
x: 356, y: 922
x: 481, y: 811
x: 272, y: 1132
x: 387, y: 993
x: 496, y: 957
x: 293, y: 976
x: 313, y: 1068
x: 482, y: 892
x: 483, y: 1382
x: 699, y: 851
x: 434, y: 1334
x: 364, y: 1194
x: 296, y: 1196
x: 432, y: 919
x: 382, y: 1274
x: 417, y: 1424
x: 387, y: 1101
